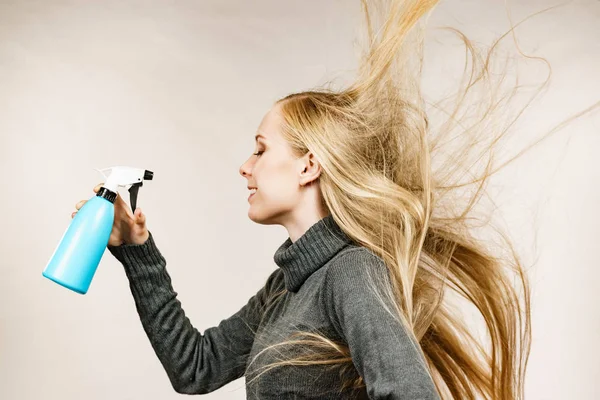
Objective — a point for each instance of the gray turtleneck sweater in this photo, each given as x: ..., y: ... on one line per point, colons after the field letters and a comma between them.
x: 326, y: 276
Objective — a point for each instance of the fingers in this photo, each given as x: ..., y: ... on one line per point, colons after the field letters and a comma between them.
x: 96, y: 190
x: 82, y: 202
x: 78, y: 206
x: 140, y: 218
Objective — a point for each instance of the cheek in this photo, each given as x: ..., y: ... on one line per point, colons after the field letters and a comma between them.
x: 280, y: 196
x: 277, y: 183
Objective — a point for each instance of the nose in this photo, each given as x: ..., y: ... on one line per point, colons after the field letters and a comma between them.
x: 244, y: 171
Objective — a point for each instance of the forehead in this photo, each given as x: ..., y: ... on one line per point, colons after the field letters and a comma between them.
x: 268, y: 130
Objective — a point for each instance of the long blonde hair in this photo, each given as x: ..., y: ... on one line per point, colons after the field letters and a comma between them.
x: 377, y: 148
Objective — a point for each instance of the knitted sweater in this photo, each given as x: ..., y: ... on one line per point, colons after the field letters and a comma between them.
x: 326, y: 280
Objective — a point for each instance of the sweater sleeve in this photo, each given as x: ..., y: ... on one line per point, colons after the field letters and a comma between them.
x: 195, y: 363
x: 381, y: 350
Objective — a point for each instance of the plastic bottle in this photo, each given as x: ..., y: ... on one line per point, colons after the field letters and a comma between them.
x: 76, y: 258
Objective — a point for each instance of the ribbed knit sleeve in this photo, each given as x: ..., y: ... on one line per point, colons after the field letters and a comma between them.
x: 195, y: 363
x: 382, y: 352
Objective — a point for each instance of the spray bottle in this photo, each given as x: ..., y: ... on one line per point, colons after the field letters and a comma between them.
x: 76, y: 258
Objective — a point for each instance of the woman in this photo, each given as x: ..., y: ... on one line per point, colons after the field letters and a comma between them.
x: 360, y: 303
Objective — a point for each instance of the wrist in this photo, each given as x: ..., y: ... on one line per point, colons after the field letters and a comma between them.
x: 138, y: 239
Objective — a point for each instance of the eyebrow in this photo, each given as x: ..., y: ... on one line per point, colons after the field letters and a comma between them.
x: 259, y: 135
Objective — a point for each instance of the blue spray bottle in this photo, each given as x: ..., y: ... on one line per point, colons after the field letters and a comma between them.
x: 76, y: 258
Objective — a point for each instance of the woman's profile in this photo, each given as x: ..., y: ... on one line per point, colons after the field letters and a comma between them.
x: 362, y: 303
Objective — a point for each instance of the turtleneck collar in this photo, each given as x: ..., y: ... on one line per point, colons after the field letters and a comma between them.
x: 311, y: 251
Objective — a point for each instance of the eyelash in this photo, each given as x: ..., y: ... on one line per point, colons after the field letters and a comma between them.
x: 258, y: 153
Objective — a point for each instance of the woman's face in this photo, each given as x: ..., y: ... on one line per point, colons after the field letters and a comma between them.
x: 275, y: 172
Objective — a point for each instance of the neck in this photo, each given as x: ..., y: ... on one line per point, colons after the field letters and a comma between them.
x: 319, y: 244
x: 298, y: 226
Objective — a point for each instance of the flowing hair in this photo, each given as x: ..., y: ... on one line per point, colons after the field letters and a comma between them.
x: 407, y: 190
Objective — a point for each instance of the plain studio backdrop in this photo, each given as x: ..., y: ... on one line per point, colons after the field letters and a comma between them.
x: 179, y: 88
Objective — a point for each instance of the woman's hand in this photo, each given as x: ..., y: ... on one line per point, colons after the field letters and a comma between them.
x: 128, y: 227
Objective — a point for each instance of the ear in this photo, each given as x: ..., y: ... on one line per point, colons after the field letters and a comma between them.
x: 310, y: 169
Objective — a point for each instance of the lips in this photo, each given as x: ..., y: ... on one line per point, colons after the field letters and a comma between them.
x: 253, y: 191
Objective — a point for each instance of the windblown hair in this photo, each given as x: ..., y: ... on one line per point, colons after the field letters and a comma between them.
x: 377, y: 146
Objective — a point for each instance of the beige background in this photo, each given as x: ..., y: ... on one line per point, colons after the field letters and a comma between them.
x: 179, y: 88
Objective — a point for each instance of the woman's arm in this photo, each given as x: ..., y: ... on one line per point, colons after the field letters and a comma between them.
x: 382, y: 352
x: 195, y: 363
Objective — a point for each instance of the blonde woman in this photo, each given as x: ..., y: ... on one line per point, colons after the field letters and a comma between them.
x: 359, y: 305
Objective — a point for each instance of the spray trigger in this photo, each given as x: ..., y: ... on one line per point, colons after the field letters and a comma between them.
x: 133, y: 193
x: 122, y: 176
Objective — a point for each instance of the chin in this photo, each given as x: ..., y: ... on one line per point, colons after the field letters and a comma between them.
x: 263, y: 218
x: 255, y: 217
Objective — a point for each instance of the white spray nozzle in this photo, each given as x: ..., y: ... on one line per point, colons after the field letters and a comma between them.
x: 121, y: 176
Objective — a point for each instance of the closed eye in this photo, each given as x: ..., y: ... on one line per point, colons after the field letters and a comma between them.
x: 258, y: 153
